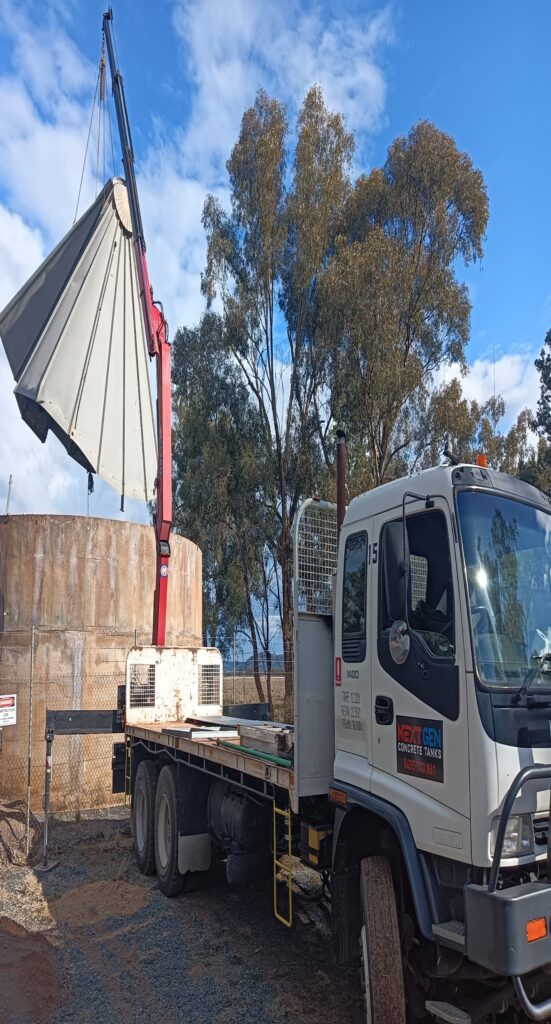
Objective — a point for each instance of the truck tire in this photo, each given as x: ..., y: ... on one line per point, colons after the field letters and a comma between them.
x: 381, y: 954
x: 143, y: 815
x: 171, y: 882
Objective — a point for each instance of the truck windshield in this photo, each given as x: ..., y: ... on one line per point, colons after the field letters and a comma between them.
x: 507, y: 549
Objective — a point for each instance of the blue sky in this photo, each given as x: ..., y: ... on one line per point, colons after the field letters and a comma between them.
x: 479, y: 71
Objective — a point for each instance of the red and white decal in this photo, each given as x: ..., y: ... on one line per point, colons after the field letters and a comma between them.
x: 338, y: 671
x: 8, y: 709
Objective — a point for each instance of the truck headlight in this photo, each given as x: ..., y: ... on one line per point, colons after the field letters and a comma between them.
x: 519, y: 836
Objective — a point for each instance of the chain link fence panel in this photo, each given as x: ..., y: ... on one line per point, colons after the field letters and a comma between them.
x: 81, y: 779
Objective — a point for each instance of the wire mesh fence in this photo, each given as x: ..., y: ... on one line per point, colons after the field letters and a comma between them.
x: 54, y: 670
x: 266, y: 677
x: 81, y: 765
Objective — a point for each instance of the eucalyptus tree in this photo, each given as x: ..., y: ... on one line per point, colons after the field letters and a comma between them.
x: 264, y: 259
x: 223, y: 489
x: 536, y: 467
x: 394, y: 309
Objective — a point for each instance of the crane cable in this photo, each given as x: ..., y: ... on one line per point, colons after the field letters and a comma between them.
x: 101, y: 99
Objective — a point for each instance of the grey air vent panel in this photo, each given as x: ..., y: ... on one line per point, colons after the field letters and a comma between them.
x: 209, y: 684
x: 142, y: 686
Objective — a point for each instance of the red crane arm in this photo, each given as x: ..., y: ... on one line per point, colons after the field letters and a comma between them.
x: 163, y: 515
x: 159, y: 347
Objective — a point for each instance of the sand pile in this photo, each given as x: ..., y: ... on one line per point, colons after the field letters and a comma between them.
x: 98, y: 901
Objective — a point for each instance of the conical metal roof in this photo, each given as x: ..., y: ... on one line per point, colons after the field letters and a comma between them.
x: 76, y: 343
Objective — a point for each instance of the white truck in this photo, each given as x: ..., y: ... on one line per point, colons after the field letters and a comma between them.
x: 419, y: 770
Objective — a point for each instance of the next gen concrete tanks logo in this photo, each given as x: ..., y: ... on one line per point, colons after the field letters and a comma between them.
x: 420, y: 748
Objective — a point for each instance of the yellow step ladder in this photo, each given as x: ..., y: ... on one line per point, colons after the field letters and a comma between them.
x: 127, y: 769
x: 283, y: 816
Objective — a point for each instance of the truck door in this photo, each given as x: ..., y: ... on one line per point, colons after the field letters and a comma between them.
x: 353, y: 641
x: 419, y: 715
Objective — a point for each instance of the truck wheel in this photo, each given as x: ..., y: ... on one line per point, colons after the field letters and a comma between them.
x: 143, y: 815
x: 382, y: 972
x: 166, y: 833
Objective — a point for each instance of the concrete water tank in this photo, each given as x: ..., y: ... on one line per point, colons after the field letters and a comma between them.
x: 86, y: 585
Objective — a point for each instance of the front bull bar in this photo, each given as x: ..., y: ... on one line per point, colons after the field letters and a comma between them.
x: 506, y: 911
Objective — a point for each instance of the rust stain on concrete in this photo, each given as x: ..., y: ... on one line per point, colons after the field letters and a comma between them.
x: 87, y: 587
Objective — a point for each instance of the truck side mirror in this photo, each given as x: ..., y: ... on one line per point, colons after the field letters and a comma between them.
x: 395, y: 565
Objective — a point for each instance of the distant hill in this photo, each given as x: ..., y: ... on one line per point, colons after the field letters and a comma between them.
x: 246, y: 668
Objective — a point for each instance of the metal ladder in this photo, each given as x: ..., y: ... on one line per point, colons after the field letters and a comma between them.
x: 127, y: 769
x: 285, y: 814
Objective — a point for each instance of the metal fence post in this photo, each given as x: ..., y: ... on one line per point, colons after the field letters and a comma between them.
x: 47, y: 865
x: 233, y: 690
x: 29, y: 753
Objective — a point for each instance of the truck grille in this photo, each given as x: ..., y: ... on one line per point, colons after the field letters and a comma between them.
x: 142, y: 686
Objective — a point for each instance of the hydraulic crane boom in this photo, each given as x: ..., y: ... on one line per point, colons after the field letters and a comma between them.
x: 159, y: 347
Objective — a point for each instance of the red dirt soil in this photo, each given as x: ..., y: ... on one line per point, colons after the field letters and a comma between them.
x: 31, y: 987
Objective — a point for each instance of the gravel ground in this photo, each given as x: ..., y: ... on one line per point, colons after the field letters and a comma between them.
x: 95, y: 940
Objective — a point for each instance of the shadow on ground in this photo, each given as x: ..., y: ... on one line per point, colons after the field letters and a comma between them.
x: 114, y: 949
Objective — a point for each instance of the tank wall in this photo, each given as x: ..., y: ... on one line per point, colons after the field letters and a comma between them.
x: 86, y: 586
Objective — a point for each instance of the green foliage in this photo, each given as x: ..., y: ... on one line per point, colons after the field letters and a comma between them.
x: 263, y: 262
x: 222, y: 482
x: 472, y: 428
x: 339, y: 304
x: 543, y: 365
x: 393, y: 310
x: 535, y: 466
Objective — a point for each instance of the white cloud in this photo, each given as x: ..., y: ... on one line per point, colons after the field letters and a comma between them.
x: 41, y: 159
x: 21, y: 252
x: 61, y: 71
x: 171, y: 208
x: 513, y: 376
x: 43, y: 479
x: 285, y: 48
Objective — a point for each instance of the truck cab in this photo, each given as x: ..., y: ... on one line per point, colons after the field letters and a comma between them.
x: 415, y: 776
x: 442, y: 683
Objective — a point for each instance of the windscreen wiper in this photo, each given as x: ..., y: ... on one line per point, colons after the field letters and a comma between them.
x: 543, y: 665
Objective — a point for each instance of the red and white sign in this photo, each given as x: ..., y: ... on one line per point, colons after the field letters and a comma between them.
x: 8, y: 709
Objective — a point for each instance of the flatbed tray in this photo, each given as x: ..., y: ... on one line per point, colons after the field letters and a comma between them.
x: 230, y: 762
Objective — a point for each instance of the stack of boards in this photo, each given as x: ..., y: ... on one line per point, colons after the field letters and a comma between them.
x: 268, y: 738
x: 257, y: 738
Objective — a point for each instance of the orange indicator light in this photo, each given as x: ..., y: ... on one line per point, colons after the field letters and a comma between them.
x: 337, y: 796
x: 482, y: 460
x: 536, y: 929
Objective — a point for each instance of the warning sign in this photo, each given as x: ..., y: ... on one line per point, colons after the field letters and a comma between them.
x: 8, y: 709
x: 420, y: 748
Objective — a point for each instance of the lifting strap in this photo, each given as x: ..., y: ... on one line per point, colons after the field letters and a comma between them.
x: 103, y: 119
